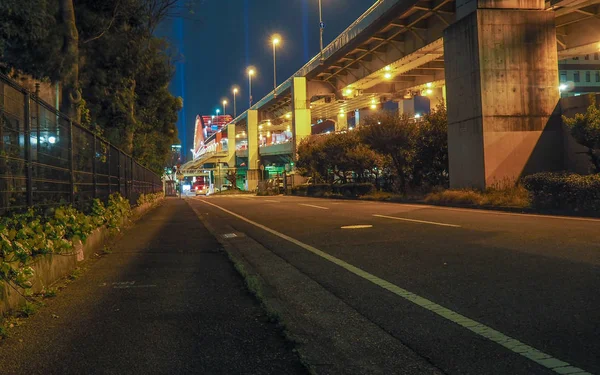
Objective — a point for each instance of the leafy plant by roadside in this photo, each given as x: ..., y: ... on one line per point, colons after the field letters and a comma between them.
x: 26, y: 235
x: 151, y: 198
x: 585, y: 128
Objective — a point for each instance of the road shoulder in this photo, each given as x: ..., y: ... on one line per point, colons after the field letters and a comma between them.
x: 331, y: 337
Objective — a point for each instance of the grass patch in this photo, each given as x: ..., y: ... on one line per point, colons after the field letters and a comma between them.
x: 516, y: 196
x: 76, y: 274
x: 233, y: 192
x: 3, y: 332
x: 29, y: 309
x: 50, y: 293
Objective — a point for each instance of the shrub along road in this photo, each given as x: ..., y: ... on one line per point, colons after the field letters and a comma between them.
x: 471, y: 292
x: 165, y: 301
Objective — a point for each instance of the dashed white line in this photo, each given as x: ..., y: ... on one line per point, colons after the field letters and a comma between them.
x: 418, y: 221
x: 313, y: 206
x: 514, y: 345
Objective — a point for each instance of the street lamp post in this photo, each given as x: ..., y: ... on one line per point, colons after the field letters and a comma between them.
x: 224, y: 107
x: 235, y: 91
x: 321, y: 27
x: 276, y: 39
x: 250, y: 74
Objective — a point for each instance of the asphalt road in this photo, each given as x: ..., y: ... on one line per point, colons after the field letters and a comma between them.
x: 533, y: 279
x: 165, y: 301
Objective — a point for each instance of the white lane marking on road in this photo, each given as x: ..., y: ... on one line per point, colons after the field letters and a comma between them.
x: 418, y: 221
x: 492, y: 212
x: 270, y: 201
x: 360, y: 226
x: 514, y: 345
x: 313, y: 206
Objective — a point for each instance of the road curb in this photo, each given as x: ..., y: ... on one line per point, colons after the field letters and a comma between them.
x: 330, y: 336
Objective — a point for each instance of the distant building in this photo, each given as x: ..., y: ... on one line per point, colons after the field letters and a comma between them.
x: 175, y: 158
x: 205, y: 127
x: 580, y: 75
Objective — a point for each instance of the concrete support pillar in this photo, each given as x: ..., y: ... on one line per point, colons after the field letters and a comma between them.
x: 301, y: 120
x: 342, y: 122
x: 231, y: 145
x: 253, y: 169
x: 356, y: 118
x: 502, y: 79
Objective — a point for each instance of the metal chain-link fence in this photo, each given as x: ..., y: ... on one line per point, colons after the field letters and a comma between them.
x: 48, y: 160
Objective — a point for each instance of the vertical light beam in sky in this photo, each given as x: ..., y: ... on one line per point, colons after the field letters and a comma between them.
x: 305, y: 28
x: 247, y: 30
x: 180, y: 72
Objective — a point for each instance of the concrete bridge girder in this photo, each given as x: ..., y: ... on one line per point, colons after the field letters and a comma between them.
x: 579, y: 33
x: 416, y: 28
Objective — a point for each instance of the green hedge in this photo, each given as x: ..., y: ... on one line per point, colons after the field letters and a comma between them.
x: 318, y: 190
x: 353, y: 189
x: 347, y: 190
x: 299, y: 190
x: 564, y: 191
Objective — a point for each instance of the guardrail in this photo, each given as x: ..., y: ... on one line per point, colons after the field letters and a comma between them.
x: 46, y: 159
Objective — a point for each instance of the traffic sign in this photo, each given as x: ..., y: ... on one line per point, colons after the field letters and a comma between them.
x: 262, y: 167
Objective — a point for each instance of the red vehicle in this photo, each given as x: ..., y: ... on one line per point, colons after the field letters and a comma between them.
x: 200, y: 186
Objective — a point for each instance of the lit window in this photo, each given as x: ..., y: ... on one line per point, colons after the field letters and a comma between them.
x: 563, y: 76
x: 576, y: 77
x: 588, y: 77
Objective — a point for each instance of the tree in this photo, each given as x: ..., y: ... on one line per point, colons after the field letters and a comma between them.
x: 431, y: 153
x: 393, y: 136
x: 585, y: 128
x: 312, y: 160
x: 110, y: 66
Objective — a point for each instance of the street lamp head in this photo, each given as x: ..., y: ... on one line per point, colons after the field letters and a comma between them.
x: 218, y: 111
x: 276, y: 39
x: 235, y: 90
x: 251, y: 71
x: 224, y: 102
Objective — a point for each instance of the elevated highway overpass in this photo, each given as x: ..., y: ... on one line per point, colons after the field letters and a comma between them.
x: 493, y: 62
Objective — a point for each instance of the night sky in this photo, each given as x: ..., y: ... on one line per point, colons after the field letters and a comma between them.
x: 216, y: 43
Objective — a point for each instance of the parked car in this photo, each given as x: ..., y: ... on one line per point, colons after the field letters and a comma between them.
x: 276, y: 183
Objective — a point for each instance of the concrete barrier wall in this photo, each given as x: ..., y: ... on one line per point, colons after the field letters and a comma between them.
x: 50, y: 268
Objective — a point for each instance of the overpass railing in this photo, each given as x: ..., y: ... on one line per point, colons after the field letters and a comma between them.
x: 48, y: 160
x: 372, y: 14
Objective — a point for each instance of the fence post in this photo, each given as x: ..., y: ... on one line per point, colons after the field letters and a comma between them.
x: 94, y: 167
x: 109, y: 169
x: 71, y: 162
x: 27, y: 142
x: 132, y: 171
x: 126, y: 194
x: 119, y: 173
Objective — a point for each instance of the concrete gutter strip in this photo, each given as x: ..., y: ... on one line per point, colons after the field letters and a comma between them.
x: 50, y: 268
x: 330, y: 336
